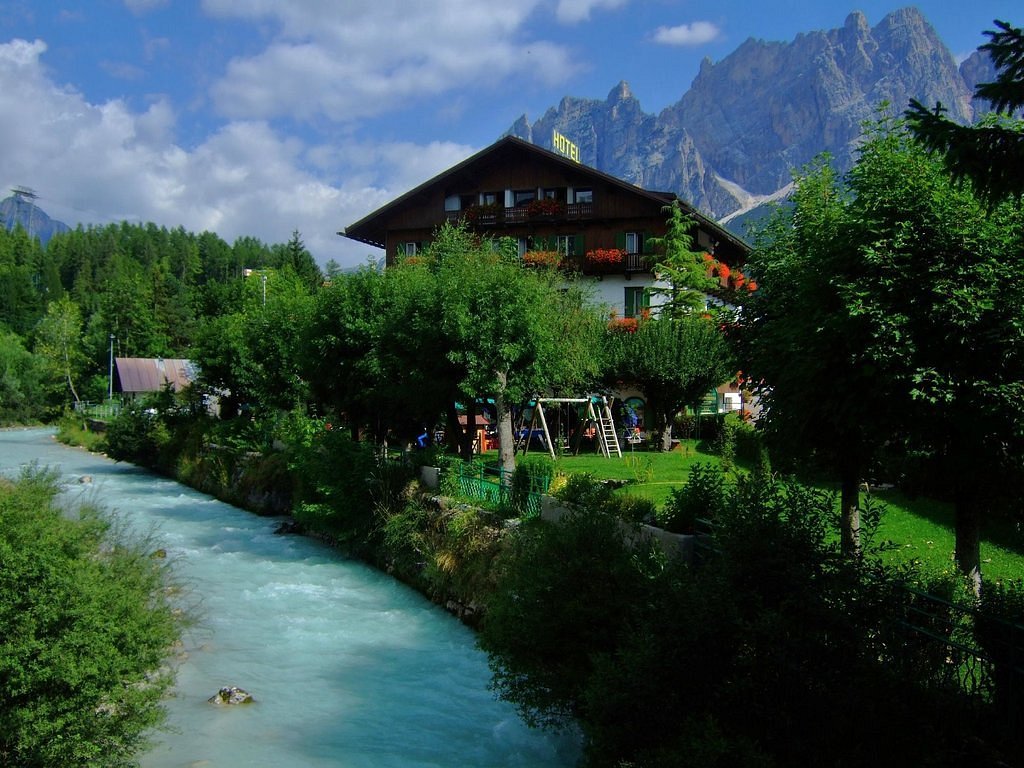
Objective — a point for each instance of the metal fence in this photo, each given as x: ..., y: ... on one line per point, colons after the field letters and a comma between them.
x: 494, y: 486
x: 964, y: 649
x: 105, y: 410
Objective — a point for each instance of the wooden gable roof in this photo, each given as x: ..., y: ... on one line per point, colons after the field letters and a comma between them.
x: 509, y: 151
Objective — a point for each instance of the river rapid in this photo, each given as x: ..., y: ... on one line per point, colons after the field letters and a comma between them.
x: 348, y: 667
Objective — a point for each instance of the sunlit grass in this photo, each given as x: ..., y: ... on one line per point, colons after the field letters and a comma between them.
x: 913, y: 529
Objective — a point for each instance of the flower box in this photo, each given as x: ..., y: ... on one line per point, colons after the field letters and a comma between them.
x: 542, y: 258
x: 545, y: 207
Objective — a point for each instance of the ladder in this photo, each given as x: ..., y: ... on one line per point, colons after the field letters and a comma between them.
x: 606, y: 429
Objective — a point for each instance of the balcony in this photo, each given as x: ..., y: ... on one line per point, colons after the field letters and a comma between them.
x: 612, y: 261
x: 493, y: 216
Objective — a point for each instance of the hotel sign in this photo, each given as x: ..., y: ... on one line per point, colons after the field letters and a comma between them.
x: 564, y: 147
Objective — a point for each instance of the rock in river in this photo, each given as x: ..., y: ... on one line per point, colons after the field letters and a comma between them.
x: 231, y: 695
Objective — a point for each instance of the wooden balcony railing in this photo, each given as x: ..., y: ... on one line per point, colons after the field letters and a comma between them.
x: 518, y: 215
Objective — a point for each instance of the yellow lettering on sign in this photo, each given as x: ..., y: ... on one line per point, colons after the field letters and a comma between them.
x: 565, y: 147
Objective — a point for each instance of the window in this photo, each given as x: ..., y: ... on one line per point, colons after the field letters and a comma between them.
x: 408, y: 249
x: 634, y: 242
x: 566, y: 245
x: 451, y: 203
x: 523, y: 245
x: 583, y: 195
x: 523, y: 196
x: 636, y: 301
x: 491, y: 198
x: 554, y: 193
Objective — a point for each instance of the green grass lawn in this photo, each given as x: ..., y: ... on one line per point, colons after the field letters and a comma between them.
x: 920, y: 529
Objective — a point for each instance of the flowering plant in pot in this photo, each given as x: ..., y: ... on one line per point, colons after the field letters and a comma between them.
x: 609, y: 256
x: 545, y: 207
x: 480, y: 211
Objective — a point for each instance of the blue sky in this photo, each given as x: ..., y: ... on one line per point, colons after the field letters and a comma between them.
x: 260, y: 117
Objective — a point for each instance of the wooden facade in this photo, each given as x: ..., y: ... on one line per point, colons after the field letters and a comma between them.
x: 546, y: 202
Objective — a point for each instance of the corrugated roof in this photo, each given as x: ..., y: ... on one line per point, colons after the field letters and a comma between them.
x: 150, y: 374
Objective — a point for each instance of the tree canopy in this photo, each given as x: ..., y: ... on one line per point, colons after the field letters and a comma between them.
x: 886, y: 314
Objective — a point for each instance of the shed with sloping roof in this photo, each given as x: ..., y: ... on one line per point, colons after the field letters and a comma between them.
x: 143, y: 375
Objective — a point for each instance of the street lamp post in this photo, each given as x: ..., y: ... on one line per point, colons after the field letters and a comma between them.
x: 110, y: 388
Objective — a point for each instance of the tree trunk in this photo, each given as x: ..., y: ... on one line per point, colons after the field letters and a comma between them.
x: 968, y: 536
x: 849, y: 537
x: 466, y: 435
x: 452, y: 432
x: 666, y: 434
x: 506, y: 441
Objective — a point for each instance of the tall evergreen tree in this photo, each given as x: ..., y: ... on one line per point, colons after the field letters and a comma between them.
x: 990, y: 154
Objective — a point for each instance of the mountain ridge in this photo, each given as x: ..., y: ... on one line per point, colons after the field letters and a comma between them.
x: 749, y: 121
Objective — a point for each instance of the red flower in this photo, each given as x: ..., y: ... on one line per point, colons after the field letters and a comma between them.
x: 623, y: 324
x: 542, y: 258
x: 606, y: 256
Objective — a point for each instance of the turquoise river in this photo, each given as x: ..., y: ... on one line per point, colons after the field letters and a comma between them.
x: 348, y: 667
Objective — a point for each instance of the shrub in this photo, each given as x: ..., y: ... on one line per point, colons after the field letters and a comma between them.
x: 737, y: 660
x: 532, y: 476
x: 136, y: 435
x: 702, y: 496
x: 633, y: 509
x: 335, y: 483
x: 85, y: 627
x: 583, y: 491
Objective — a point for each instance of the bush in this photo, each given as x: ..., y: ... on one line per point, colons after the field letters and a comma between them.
x: 632, y: 509
x: 583, y: 491
x: 448, y: 482
x: 532, y: 476
x: 563, y: 592
x: 334, y: 478
x: 737, y: 660
x: 85, y: 627
x: 136, y: 435
x: 702, y: 496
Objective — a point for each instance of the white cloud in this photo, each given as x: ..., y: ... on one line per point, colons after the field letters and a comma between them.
x: 572, y: 11
x: 363, y: 58
x: 697, y: 33
x: 100, y: 163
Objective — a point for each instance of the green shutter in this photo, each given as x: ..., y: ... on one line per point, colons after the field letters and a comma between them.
x: 620, y: 240
x: 646, y: 247
x: 577, y: 244
x: 646, y: 299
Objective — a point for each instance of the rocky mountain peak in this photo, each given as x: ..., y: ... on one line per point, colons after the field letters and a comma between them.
x: 857, y: 24
x: 620, y: 92
x: 750, y: 120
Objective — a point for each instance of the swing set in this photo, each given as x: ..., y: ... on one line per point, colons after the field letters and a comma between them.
x: 597, y: 417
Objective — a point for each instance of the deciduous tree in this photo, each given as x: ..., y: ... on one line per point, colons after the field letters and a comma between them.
x: 674, y: 361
